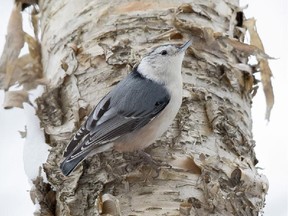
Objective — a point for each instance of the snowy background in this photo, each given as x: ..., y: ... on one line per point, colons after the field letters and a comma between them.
x: 271, y: 140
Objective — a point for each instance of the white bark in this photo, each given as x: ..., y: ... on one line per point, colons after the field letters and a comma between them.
x: 88, y: 46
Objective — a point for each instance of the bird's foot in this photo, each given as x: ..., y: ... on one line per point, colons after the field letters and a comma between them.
x: 143, y: 157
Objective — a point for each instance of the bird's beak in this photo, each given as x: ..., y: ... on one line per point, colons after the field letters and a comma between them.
x: 185, y: 46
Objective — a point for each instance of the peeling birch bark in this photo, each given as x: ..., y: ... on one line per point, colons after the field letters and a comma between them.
x: 88, y: 46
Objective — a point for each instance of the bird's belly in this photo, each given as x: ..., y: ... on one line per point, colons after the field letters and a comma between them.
x: 145, y: 136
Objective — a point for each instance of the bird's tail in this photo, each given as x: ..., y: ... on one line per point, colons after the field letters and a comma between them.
x: 81, y: 152
x: 71, y: 162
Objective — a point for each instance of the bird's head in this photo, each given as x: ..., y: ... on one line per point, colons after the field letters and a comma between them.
x: 163, y: 63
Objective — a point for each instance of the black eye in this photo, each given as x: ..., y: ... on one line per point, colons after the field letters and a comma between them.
x: 164, y: 52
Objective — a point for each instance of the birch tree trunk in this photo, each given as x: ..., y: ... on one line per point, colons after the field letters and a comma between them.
x: 88, y: 46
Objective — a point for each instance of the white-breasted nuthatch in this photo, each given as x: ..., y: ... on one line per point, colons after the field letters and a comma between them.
x: 137, y: 111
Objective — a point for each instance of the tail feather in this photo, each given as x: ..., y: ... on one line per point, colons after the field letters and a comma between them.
x: 79, y: 153
x: 75, y: 140
x: 69, y: 164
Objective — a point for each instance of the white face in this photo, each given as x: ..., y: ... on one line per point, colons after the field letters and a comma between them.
x: 163, y: 64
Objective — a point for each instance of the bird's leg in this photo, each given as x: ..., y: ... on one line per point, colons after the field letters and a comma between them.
x: 151, y: 161
x: 148, y: 159
x: 155, y: 165
x: 141, y: 156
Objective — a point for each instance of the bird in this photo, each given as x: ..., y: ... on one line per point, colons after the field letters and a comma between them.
x: 137, y: 111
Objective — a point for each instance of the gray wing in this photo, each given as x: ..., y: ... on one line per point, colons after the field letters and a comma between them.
x: 133, y: 103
